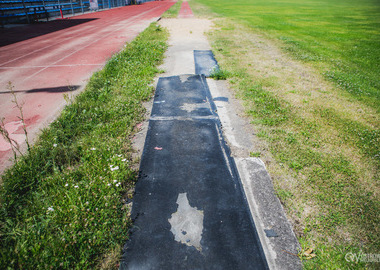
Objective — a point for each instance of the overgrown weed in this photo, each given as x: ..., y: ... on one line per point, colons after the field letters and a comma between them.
x: 219, y: 74
x: 15, y: 146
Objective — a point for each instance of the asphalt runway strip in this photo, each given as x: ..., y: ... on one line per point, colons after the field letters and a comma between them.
x: 189, y: 209
x: 205, y: 62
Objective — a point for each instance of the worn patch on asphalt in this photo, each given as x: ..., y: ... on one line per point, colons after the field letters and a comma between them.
x: 189, y: 209
x: 187, y: 223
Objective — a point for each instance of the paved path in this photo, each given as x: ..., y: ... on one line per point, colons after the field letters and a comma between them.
x: 46, y: 60
x: 189, y: 209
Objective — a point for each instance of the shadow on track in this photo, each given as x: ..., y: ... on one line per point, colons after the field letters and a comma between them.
x: 16, y: 34
x: 59, y: 89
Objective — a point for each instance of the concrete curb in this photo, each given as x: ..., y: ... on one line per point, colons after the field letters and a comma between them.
x: 277, y: 237
x: 278, y: 240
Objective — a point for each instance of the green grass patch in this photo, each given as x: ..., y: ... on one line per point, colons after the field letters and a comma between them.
x: 173, y: 11
x: 255, y: 154
x: 219, y: 74
x: 342, y: 37
x: 61, y: 205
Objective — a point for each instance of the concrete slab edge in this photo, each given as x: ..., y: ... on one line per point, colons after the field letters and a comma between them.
x: 235, y: 174
x: 280, y: 245
x: 278, y: 240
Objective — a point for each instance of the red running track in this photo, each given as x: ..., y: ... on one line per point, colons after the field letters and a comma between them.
x: 185, y: 11
x: 44, y: 61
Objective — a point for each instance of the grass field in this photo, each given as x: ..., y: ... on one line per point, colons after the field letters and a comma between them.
x: 62, y: 205
x: 308, y: 73
x: 341, y: 36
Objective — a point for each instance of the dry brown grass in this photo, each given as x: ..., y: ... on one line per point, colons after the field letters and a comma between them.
x: 111, y: 260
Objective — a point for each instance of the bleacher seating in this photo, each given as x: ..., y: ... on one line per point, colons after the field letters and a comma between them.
x: 29, y: 11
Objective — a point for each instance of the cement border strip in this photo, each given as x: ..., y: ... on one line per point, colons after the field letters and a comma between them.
x: 277, y: 237
x: 282, y: 247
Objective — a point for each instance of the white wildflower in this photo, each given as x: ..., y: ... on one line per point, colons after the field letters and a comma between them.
x: 66, y: 185
x: 115, y: 168
x: 55, y: 145
x: 76, y: 186
x: 93, y: 149
x: 50, y: 209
